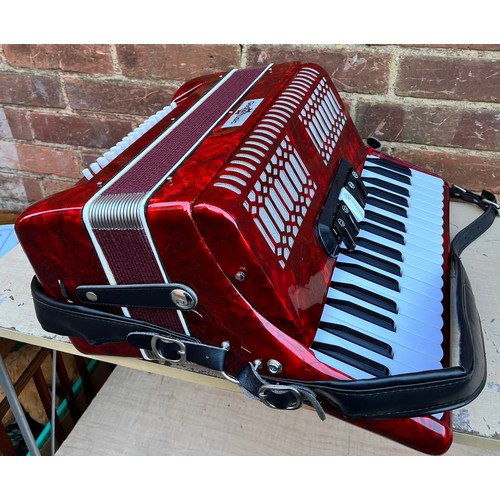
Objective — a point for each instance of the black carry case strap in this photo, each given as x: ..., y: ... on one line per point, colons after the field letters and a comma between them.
x: 404, y: 395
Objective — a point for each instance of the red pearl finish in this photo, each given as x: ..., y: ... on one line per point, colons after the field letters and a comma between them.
x: 208, y: 241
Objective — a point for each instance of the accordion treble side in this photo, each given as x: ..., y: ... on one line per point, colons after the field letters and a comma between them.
x: 247, y: 227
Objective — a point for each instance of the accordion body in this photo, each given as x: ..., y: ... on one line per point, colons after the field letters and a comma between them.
x: 253, y: 205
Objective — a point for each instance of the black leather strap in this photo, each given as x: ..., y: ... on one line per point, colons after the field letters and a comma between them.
x: 99, y: 327
x: 422, y: 393
x: 164, y: 295
x: 176, y: 350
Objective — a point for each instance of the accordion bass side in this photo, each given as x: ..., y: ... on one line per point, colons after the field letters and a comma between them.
x: 247, y: 228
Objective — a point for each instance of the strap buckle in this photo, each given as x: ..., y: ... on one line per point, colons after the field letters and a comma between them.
x: 484, y: 200
x: 264, y: 391
x: 489, y: 202
x: 182, y: 352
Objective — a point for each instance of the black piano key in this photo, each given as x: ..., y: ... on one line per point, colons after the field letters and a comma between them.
x: 382, y: 232
x: 367, y: 296
x: 404, y: 179
x: 365, y: 364
x: 388, y: 196
x: 389, y: 186
x: 391, y: 166
x: 384, y: 220
x: 370, y: 275
x: 390, y: 207
x: 362, y: 313
x: 372, y: 260
x: 358, y: 338
x: 380, y: 249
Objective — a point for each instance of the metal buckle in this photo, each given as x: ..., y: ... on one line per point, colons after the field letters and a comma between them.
x: 181, y: 352
x: 280, y: 389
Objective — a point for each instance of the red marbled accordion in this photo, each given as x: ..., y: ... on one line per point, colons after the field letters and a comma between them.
x: 221, y: 192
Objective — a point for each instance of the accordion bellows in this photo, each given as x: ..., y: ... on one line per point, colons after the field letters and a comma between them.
x: 249, y: 215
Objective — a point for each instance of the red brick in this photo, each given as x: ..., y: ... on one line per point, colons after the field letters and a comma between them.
x: 466, y: 169
x: 48, y: 160
x: 88, y: 158
x: 433, y: 125
x: 470, y: 46
x: 352, y: 70
x: 30, y: 90
x: 81, y: 58
x: 86, y: 131
x: 176, y: 62
x: 449, y: 78
x: 33, y: 189
x: 118, y: 97
x: 52, y: 186
x: 14, y: 124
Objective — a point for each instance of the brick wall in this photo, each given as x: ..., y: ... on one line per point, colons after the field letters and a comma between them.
x: 61, y: 106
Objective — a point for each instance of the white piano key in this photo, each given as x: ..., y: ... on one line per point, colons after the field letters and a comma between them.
x: 134, y: 135
x: 103, y: 162
x: 109, y: 155
x: 426, y: 348
x: 408, y: 324
x: 122, y: 146
x: 87, y: 173
x: 404, y: 360
x: 94, y: 167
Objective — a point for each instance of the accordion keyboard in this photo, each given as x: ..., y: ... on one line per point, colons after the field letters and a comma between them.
x: 383, y: 313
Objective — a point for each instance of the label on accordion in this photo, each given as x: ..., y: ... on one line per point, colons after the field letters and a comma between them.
x: 241, y: 115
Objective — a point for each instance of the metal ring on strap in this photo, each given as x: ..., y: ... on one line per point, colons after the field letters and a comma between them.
x: 280, y: 389
x: 181, y: 352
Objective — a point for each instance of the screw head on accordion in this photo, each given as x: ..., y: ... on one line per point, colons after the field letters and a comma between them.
x: 291, y: 240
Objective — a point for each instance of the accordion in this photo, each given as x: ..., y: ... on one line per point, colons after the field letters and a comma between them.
x: 248, y: 229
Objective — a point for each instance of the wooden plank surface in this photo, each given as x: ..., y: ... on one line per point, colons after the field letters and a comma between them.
x: 141, y: 414
x: 480, y: 419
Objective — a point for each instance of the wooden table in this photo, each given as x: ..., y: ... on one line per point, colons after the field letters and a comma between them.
x: 475, y: 425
